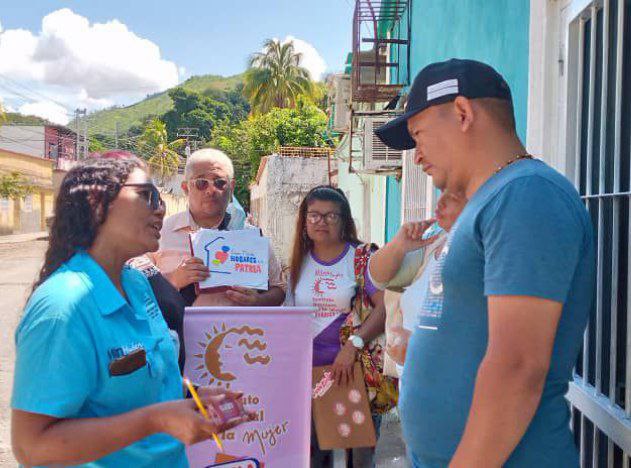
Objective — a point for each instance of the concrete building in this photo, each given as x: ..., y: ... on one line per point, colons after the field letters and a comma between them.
x: 41, y: 154
x: 53, y: 142
x: 281, y: 183
x: 27, y: 214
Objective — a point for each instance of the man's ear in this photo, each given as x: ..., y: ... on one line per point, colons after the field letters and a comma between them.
x: 464, y: 113
x: 185, y: 187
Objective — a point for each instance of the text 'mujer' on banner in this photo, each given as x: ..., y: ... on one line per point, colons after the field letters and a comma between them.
x: 234, y: 258
x: 264, y: 352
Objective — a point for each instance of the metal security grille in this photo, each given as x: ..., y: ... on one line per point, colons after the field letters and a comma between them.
x: 600, y: 395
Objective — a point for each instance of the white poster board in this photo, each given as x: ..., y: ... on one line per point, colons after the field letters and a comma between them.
x: 234, y: 258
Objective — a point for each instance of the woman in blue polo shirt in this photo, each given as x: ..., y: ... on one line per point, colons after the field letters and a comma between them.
x: 96, y: 374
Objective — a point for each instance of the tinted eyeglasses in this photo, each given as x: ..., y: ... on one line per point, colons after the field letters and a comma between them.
x: 150, y: 193
x: 202, y: 183
x: 313, y: 217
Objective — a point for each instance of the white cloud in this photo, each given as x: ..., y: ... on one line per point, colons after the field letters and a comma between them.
x: 311, y: 58
x: 95, y: 61
x: 47, y: 110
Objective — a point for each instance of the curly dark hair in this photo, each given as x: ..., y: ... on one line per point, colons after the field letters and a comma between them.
x: 302, y: 243
x: 81, y: 208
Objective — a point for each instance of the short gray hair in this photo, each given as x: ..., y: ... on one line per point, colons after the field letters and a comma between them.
x: 208, y: 155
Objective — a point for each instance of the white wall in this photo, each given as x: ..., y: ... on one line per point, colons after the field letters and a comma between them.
x: 282, y: 186
x: 353, y: 188
x: 377, y: 186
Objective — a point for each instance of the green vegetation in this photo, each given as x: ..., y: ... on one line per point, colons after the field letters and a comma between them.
x: 104, y: 122
x: 194, y: 110
x: 14, y: 185
x: 286, y: 111
x: 162, y: 155
x: 260, y: 135
x: 14, y: 118
x: 275, y: 77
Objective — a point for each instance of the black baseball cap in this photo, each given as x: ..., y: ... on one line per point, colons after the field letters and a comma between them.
x: 440, y: 83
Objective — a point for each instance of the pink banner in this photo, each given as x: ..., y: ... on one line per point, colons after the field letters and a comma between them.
x: 265, y: 352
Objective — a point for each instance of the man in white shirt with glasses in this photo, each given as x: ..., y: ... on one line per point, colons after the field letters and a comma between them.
x: 209, y: 185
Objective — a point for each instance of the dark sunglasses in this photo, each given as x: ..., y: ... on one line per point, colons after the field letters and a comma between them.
x: 202, y: 184
x: 150, y: 193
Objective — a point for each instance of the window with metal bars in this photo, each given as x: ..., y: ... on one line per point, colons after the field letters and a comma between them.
x: 600, y: 395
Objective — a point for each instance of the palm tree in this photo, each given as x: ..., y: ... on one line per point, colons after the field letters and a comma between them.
x: 161, y: 155
x: 275, y: 77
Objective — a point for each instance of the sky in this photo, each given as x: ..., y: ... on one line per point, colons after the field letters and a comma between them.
x: 56, y: 56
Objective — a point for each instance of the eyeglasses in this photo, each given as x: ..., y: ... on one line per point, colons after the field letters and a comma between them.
x: 202, y: 183
x: 313, y: 217
x: 150, y: 193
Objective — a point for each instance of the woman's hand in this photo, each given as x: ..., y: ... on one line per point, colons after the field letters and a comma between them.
x: 182, y: 420
x: 409, y: 237
x: 343, y: 366
x: 190, y: 270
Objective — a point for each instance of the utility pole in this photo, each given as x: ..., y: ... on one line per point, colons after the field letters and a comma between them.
x: 86, y: 145
x: 82, y: 140
x: 192, y: 136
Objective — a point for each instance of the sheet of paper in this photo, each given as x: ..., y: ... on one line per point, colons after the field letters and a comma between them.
x: 234, y: 258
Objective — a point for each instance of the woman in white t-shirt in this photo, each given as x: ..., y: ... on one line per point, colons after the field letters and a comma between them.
x: 414, y: 261
x: 322, y: 275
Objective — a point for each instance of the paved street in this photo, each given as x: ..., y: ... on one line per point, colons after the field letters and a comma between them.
x: 20, y: 263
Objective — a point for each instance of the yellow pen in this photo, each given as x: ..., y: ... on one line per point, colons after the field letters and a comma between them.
x: 202, y: 410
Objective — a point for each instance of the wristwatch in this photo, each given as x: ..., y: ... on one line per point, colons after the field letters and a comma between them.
x: 356, y: 341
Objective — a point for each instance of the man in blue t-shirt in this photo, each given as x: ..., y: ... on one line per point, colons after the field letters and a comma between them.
x: 486, y: 387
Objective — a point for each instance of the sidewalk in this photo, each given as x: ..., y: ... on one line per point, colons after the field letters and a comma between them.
x: 31, y: 236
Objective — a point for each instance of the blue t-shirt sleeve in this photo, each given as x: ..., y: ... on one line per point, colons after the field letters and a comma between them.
x: 55, y: 369
x: 533, y: 235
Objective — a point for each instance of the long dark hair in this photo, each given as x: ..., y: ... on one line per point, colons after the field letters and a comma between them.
x: 81, y: 207
x: 302, y: 243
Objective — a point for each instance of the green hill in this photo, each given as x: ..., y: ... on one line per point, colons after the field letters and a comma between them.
x: 104, y: 121
x: 13, y: 118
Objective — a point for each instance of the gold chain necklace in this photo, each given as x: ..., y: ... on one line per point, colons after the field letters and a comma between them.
x: 511, y: 161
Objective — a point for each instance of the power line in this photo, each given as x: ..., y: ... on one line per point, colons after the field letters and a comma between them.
x: 19, y: 143
x: 33, y: 91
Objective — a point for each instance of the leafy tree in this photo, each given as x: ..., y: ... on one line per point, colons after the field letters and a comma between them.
x: 3, y: 115
x: 302, y: 126
x: 275, y: 77
x: 232, y: 139
x: 238, y: 105
x: 97, y: 144
x: 14, y: 185
x: 161, y: 155
x: 261, y: 135
x: 191, y: 109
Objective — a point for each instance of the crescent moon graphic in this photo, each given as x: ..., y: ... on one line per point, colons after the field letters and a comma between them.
x: 212, y: 353
x: 212, y: 358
